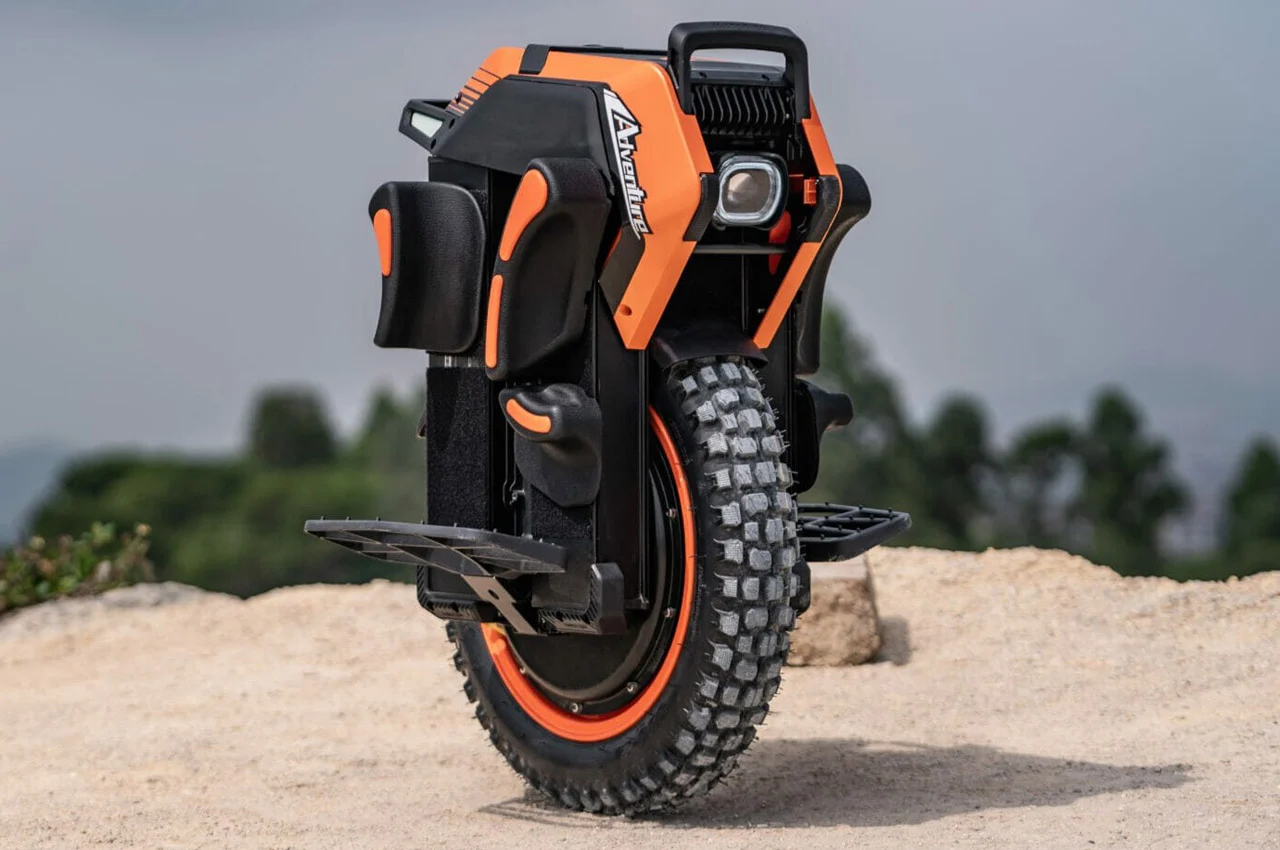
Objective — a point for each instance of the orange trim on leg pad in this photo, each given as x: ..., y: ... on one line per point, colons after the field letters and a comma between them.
x: 491, y: 322
x: 382, y: 230
x: 527, y: 419
x: 530, y: 199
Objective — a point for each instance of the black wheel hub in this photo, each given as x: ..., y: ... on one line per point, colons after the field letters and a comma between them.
x: 599, y: 674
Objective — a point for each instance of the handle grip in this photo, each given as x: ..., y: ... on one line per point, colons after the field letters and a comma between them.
x: 688, y: 38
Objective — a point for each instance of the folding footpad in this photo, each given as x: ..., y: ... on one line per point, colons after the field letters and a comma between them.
x: 471, y: 574
x: 836, y: 532
x: 480, y: 558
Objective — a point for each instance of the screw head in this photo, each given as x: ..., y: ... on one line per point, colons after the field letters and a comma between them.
x: 575, y: 707
x: 672, y: 513
x: 632, y: 687
x: 669, y: 613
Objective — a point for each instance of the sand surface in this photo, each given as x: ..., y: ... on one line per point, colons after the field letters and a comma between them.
x: 1027, y: 699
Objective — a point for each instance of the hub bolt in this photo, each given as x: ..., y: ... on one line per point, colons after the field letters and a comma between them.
x: 669, y: 613
x: 575, y: 707
x: 632, y: 687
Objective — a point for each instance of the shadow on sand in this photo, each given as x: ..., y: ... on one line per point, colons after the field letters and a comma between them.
x: 830, y: 782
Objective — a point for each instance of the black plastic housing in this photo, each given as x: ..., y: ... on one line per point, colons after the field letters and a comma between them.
x: 431, y: 298
x: 855, y: 203
x: 554, y: 118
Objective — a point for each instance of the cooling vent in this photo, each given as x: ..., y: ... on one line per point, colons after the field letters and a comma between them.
x: 745, y: 112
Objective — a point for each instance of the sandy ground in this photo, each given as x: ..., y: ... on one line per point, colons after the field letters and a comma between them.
x: 1026, y: 699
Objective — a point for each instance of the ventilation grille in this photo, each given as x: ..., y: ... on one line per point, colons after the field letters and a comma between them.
x: 745, y: 112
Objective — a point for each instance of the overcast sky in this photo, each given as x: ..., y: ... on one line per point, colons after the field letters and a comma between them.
x: 1064, y: 193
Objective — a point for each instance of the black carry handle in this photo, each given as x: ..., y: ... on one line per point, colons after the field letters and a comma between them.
x: 686, y: 39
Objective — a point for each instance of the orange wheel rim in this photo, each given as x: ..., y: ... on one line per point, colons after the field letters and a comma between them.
x: 601, y: 727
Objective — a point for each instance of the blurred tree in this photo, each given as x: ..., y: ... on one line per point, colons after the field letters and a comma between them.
x: 169, y: 493
x: 1128, y: 490
x: 288, y: 428
x: 1103, y: 490
x: 1251, y: 515
x: 256, y: 541
x: 388, y: 444
x: 875, y: 459
x: 234, y: 526
x: 92, y: 476
x: 960, y: 470
x: 1035, y: 473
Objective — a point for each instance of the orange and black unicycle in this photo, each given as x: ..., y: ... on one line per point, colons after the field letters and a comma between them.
x: 616, y: 271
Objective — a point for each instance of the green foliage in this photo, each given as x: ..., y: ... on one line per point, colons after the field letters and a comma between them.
x: 875, y: 460
x: 255, y: 541
x: 169, y: 493
x: 958, y: 468
x: 1128, y: 491
x: 235, y: 524
x: 1103, y: 488
x: 96, y: 561
x: 288, y: 428
x: 1035, y: 470
x: 1251, y: 524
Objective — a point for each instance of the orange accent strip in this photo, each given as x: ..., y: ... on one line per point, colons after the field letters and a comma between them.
x: 818, y: 142
x: 382, y: 230
x: 491, y: 322
x: 590, y: 729
x: 786, y: 294
x: 530, y: 199
x: 778, y: 235
x: 527, y: 419
x: 803, y: 259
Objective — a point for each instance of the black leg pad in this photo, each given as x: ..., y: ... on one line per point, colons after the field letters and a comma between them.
x: 558, y: 440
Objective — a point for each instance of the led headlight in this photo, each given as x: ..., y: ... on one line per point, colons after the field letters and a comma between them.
x: 751, y: 190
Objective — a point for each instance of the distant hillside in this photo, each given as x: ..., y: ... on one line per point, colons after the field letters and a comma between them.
x: 25, y: 472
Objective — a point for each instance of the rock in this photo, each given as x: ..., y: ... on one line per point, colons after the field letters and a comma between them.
x: 841, y: 626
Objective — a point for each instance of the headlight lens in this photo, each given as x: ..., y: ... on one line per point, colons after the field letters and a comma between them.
x: 750, y: 190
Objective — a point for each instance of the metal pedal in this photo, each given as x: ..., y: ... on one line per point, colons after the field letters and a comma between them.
x: 830, y: 532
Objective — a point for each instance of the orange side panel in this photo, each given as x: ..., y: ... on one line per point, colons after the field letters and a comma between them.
x: 530, y: 200
x: 669, y: 157
x: 382, y: 230
x: 803, y: 259
x: 527, y: 419
x: 491, y: 322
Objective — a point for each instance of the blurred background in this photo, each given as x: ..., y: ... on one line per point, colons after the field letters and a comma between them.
x: 1057, y: 324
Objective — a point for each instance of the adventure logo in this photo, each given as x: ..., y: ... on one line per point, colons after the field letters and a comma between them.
x: 623, y: 130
